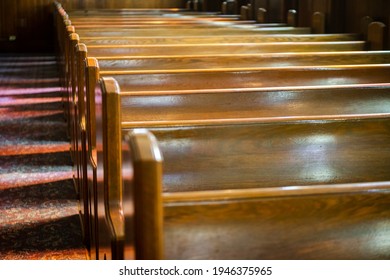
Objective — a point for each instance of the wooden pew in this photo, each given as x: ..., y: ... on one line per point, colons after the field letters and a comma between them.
x: 153, y: 63
x: 190, y: 31
x: 230, y: 48
x: 237, y: 78
x: 187, y: 111
x: 320, y: 221
x: 204, y: 39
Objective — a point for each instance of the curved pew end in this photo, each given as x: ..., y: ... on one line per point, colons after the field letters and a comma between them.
x: 81, y: 55
x: 261, y: 15
x: 292, y: 18
x: 250, y: 11
x: 230, y: 7
x: 376, y: 35
x: 197, y: 5
x: 318, y: 23
x: 148, y: 208
x: 146, y: 161
x: 244, y: 13
x: 189, y: 5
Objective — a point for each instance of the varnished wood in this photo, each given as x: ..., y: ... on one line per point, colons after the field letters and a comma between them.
x: 174, y: 142
x: 317, y: 226
x: 318, y: 23
x: 177, y: 107
x: 204, y: 39
x: 328, y: 209
x: 98, y: 153
x: 244, y: 13
x: 376, y: 36
x: 251, y: 78
x: 292, y: 18
x: 262, y: 15
x: 194, y: 32
x: 154, y: 63
x: 147, y: 162
x: 228, y: 48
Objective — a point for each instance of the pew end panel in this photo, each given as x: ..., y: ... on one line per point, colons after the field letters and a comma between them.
x: 146, y: 161
x: 262, y: 15
x: 244, y: 13
x: 100, y: 236
x: 81, y: 55
x: 292, y: 18
x: 147, y: 186
x: 111, y: 195
x: 72, y: 108
x: 318, y: 23
x: 377, y: 35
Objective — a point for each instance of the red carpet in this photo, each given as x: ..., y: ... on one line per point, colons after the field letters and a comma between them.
x: 38, y: 204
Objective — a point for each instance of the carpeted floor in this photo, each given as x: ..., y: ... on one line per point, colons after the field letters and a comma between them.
x: 38, y: 205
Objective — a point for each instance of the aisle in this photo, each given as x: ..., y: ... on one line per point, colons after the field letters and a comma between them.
x: 38, y: 204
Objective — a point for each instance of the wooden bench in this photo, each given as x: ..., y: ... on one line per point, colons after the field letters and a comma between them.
x: 230, y: 48
x: 190, y: 31
x: 153, y: 63
x: 272, y: 108
x: 282, y: 220
x: 204, y: 39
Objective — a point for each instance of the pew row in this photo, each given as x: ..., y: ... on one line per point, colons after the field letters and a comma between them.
x: 79, y: 112
x: 312, y: 168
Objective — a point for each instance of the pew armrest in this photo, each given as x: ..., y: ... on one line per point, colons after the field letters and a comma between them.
x: 147, y: 183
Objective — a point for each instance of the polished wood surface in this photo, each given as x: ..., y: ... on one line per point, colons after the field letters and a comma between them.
x: 317, y: 226
x: 147, y: 162
x: 231, y: 48
x: 251, y: 78
x: 193, y: 31
x: 204, y: 39
x: 269, y: 154
x: 177, y: 107
x: 242, y: 60
x: 118, y: 4
x: 262, y: 132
